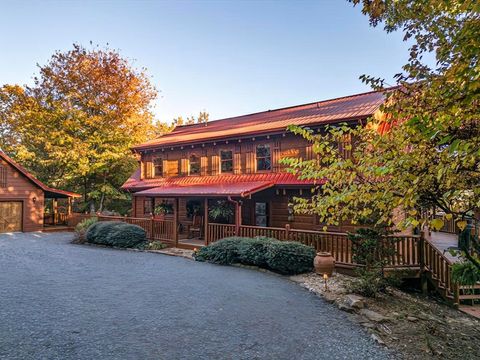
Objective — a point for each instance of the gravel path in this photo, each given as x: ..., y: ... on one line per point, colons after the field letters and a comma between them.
x: 64, y: 301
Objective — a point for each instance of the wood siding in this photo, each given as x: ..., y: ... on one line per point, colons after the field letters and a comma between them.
x: 175, y: 161
x: 20, y: 189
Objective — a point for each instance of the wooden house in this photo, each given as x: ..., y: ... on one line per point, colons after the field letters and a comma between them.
x: 23, y: 200
x: 235, y: 161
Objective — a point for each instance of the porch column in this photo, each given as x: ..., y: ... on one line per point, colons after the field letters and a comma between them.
x: 238, y: 217
x: 69, y: 207
x: 205, y: 221
x: 54, y: 210
x: 175, y: 221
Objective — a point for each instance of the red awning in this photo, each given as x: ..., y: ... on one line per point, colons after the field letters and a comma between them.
x: 240, y: 189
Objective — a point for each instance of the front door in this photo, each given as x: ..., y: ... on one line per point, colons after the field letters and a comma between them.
x: 10, y: 216
x: 261, y: 214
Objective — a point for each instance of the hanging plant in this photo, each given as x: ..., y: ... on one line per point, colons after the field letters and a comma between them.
x: 221, y: 211
x: 163, y: 209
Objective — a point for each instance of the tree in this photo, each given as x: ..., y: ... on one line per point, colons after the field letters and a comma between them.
x: 202, y: 118
x: 429, y: 159
x: 73, y: 128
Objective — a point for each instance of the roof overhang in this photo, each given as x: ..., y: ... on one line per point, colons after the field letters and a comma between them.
x: 243, y: 189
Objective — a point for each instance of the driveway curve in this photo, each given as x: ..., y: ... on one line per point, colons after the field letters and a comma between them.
x: 64, y: 301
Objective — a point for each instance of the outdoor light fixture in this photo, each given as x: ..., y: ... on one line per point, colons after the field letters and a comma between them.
x: 325, y: 279
x: 34, y: 199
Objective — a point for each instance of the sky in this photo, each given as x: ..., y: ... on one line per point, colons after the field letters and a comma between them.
x: 225, y: 57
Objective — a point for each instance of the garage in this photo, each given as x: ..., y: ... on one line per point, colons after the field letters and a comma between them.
x: 11, y: 213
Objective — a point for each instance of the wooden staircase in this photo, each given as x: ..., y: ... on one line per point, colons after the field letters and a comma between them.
x: 437, y: 269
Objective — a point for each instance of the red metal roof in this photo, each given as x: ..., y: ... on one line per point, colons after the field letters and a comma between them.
x: 330, y: 111
x: 242, y: 189
x: 45, y: 188
x: 219, y: 183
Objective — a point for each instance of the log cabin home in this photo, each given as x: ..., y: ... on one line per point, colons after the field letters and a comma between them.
x: 27, y: 204
x: 235, y: 162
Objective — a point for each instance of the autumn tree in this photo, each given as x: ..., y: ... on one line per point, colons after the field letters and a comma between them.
x: 429, y: 160
x: 73, y: 128
x: 202, y: 118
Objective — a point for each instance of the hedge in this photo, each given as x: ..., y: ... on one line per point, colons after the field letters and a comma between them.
x: 116, y: 233
x: 284, y: 257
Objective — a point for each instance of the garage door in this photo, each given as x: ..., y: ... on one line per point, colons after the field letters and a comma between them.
x: 10, y: 216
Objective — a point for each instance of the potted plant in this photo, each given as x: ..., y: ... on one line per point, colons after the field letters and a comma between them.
x: 161, y: 210
x: 221, y: 212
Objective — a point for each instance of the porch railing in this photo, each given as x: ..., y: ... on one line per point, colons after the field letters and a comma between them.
x: 163, y: 230
x: 405, y: 250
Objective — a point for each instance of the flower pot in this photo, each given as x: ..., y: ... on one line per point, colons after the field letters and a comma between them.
x: 159, y: 216
x: 324, y: 263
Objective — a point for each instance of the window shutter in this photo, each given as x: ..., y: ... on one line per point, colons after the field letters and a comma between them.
x: 249, y: 159
x: 203, y: 165
x: 142, y: 170
x: 276, y: 156
x: 237, y: 160
x: 165, y: 167
x: 215, y: 164
x: 184, y: 168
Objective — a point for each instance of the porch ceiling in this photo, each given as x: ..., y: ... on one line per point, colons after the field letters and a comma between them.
x: 241, y: 189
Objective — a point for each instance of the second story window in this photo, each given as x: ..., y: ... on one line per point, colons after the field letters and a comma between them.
x: 194, y: 164
x: 157, y: 167
x: 264, y: 158
x: 226, y: 161
x: 3, y: 176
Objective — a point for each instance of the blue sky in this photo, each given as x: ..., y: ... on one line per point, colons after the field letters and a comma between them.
x: 226, y: 57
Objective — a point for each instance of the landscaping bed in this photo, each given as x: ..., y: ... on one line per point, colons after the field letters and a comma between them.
x: 414, y: 326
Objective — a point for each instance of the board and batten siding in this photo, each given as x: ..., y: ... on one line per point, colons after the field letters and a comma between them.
x: 19, y: 188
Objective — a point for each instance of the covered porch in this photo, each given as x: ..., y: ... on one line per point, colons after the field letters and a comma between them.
x: 198, y: 215
x: 58, y: 208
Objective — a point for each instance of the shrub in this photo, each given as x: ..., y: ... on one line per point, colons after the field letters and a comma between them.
x: 222, y: 252
x: 115, y: 233
x: 279, y: 256
x: 254, y: 251
x: 81, y: 229
x: 288, y: 257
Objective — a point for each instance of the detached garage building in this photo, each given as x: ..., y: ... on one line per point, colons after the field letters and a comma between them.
x: 23, y: 199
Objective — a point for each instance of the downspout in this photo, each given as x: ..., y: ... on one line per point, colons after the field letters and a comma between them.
x: 238, y: 214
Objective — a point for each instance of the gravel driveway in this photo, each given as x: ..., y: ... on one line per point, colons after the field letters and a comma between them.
x: 64, y: 301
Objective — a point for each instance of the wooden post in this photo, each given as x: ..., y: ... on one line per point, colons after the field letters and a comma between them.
x: 205, y: 221
x: 237, y: 220
x: 175, y: 221
x: 152, y: 227
x: 423, y: 273
x: 55, y: 210
x: 287, y: 231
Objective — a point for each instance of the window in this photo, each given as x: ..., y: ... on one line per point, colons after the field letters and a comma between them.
x: 157, y: 167
x: 3, y: 176
x: 226, y: 161
x: 194, y: 164
x: 264, y: 158
x: 261, y: 214
x: 148, y: 206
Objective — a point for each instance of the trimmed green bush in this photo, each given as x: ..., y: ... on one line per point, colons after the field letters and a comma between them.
x: 81, y: 229
x: 279, y: 256
x: 288, y: 257
x: 116, y: 233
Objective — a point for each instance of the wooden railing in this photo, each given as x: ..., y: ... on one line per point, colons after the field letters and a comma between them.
x: 254, y: 231
x: 163, y: 230
x: 405, y: 250
x: 439, y: 268
x: 216, y: 232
